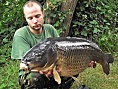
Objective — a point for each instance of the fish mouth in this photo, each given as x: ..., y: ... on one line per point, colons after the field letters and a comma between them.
x: 36, y: 64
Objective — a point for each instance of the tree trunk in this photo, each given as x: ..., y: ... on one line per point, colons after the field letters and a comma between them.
x: 68, y: 5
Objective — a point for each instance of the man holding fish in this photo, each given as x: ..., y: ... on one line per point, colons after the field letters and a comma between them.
x: 28, y: 36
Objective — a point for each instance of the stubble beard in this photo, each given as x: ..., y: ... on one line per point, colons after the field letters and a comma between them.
x: 36, y: 28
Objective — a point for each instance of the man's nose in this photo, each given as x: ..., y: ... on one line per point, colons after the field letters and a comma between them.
x: 35, y: 20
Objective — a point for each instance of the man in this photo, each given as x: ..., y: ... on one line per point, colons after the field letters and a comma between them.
x: 26, y: 37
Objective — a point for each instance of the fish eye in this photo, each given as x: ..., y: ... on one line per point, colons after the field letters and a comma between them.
x: 38, y: 54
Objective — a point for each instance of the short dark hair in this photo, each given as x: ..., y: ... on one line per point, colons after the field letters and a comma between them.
x: 34, y: 2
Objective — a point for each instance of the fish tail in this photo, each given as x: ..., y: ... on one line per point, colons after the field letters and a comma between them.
x: 109, y: 58
x: 105, y: 65
x: 106, y: 68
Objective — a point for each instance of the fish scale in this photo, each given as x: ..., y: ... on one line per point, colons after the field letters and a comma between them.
x: 70, y: 61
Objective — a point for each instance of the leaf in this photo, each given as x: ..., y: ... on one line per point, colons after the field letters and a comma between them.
x: 95, y: 30
x: 84, y: 33
x: 5, y: 40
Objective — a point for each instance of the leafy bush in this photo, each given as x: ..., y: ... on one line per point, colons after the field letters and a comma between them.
x: 11, y: 19
x: 108, y: 41
x: 97, y: 20
x: 91, y: 18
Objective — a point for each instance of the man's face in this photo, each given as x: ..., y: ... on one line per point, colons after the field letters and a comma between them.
x: 34, y: 16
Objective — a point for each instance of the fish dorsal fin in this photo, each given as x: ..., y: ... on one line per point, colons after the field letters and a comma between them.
x: 56, y: 76
x: 76, y: 79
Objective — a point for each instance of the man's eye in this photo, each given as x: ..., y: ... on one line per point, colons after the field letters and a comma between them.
x: 30, y: 18
x: 37, y: 16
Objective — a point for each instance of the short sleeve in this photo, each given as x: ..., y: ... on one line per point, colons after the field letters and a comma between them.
x: 54, y: 31
x: 19, y: 47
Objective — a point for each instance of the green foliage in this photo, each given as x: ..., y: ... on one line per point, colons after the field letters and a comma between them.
x: 5, y: 52
x: 96, y: 20
x: 54, y: 15
x: 11, y: 19
x: 93, y: 16
x: 109, y: 41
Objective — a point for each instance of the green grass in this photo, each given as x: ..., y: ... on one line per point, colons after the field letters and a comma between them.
x: 96, y: 79
x: 9, y: 75
x: 92, y: 77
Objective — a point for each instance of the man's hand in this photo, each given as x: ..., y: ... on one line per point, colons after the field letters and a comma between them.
x: 92, y: 64
x: 49, y: 72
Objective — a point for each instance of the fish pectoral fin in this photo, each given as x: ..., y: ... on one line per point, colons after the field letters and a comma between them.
x: 76, y: 79
x: 56, y: 76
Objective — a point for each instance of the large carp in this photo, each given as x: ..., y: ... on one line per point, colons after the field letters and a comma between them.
x: 71, y: 54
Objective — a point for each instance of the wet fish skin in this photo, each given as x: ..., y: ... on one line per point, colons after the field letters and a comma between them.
x: 40, y: 56
x: 71, y: 54
x: 75, y: 59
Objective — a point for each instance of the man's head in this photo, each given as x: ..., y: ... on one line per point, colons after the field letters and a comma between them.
x: 34, y: 15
